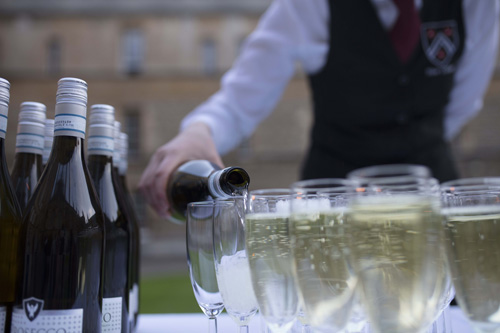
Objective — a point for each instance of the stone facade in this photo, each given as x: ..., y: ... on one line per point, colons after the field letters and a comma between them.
x: 156, y: 60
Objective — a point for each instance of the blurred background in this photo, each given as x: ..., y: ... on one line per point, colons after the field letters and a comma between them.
x: 154, y: 61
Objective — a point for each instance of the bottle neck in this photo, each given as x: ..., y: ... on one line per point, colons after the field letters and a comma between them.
x: 123, y: 182
x: 24, y: 160
x: 66, y: 148
x: 102, y: 160
x: 214, y: 185
x: 227, y: 182
x: 101, y: 172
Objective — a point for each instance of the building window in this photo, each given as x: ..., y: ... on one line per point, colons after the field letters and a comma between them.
x: 133, y: 51
x: 209, y: 56
x: 132, y: 128
x: 54, y: 56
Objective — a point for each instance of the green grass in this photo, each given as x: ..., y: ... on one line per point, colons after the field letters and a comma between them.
x: 167, y: 294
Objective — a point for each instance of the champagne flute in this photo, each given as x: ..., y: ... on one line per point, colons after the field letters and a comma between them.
x: 471, y: 208
x: 319, y: 240
x: 200, y: 258
x: 375, y: 172
x: 231, y: 262
x: 269, y: 253
x: 364, y: 175
x: 397, y: 251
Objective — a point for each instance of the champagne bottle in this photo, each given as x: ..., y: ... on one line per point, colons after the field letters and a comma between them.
x: 115, y: 317
x: 63, y: 229
x: 135, y: 231
x: 10, y: 222
x: 48, y: 139
x: 29, y: 149
x: 200, y: 180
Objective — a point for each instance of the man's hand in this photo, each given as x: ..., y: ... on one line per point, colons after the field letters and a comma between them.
x: 194, y: 143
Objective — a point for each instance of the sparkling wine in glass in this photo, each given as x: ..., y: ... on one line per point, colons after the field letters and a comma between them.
x: 398, y: 252
x: 320, y: 236
x: 270, y: 258
x: 200, y: 258
x: 471, y: 208
x: 231, y: 262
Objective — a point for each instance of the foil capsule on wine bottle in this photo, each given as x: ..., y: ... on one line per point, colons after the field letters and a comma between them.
x: 31, y: 128
x: 116, y: 134
x: 101, y: 130
x: 72, y: 90
x: 48, y: 139
x: 71, y: 108
x: 4, y: 91
x: 4, y: 106
x: 123, y: 149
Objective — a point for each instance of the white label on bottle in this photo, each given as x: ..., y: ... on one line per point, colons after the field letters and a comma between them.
x: 136, y: 298
x: 3, y: 317
x: 3, y: 125
x: 29, y: 143
x: 32, y: 318
x: 131, y: 299
x: 112, y: 315
x: 100, y: 145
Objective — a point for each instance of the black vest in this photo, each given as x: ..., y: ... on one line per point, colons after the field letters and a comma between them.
x: 369, y: 108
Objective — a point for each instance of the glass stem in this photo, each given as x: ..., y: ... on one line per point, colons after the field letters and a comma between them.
x: 244, y: 329
x: 212, y: 325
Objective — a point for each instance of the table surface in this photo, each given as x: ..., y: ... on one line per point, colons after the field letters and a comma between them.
x: 198, y: 323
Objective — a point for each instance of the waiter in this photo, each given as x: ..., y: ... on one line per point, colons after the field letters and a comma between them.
x: 392, y: 81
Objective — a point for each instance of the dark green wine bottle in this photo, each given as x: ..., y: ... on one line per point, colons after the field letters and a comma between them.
x: 200, y: 180
x: 10, y: 223
x: 61, y: 287
x: 29, y: 149
x: 115, y: 317
x: 131, y: 217
x: 121, y: 174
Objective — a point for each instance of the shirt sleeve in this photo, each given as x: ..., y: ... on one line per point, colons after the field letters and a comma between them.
x: 290, y: 31
x: 476, y: 66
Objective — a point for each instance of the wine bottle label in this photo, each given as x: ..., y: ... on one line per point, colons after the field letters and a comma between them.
x: 112, y: 315
x: 3, y: 120
x: 70, y: 120
x: 33, y: 318
x: 3, y: 318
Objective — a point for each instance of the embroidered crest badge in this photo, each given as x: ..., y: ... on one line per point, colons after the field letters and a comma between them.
x: 440, y: 41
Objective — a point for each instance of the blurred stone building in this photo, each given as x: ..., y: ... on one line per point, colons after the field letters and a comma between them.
x: 155, y: 60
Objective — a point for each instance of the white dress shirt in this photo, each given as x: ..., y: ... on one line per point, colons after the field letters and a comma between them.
x: 292, y: 31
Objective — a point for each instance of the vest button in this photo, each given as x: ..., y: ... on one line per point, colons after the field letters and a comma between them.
x: 402, y: 119
x: 403, y: 80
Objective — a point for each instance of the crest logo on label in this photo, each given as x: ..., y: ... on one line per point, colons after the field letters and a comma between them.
x: 32, y: 307
x: 440, y: 41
